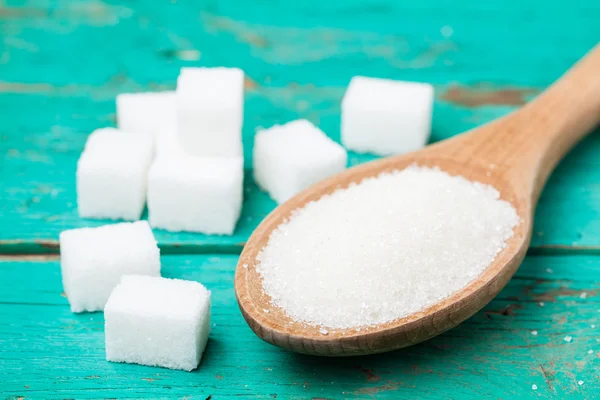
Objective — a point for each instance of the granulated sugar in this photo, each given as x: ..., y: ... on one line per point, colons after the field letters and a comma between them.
x: 384, y: 248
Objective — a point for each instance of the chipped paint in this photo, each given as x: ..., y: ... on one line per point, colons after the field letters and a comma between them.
x: 249, y: 83
x: 48, y: 244
x: 29, y: 257
x: 21, y: 12
x: 552, y: 294
x: 290, y: 45
x: 427, y: 57
x: 369, y: 374
x: 379, y: 38
x: 377, y: 389
x: 480, y: 97
x: 509, y: 310
x: 548, y: 372
x: 16, y: 87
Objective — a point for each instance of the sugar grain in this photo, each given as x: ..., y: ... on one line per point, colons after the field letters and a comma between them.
x: 384, y: 248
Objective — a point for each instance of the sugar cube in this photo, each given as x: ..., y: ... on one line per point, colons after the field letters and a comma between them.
x: 289, y: 158
x: 94, y: 259
x: 167, y: 145
x: 147, y: 112
x: 157, y: 322
x: 112, y: 173
x: 195, y: 194
x: 384, y: 116
x: 210, y: 111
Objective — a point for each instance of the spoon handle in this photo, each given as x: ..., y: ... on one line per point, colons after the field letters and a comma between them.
x: 560, y: 117
x: 527, y: 144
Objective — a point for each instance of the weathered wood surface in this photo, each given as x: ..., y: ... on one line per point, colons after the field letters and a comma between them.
x: 48, y: 352
x: 62, y: 63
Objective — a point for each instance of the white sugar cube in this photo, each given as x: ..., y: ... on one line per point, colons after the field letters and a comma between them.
x: 112, y: 173
x: 93, y: 260
x: 148, y: 112
x: 384, y: 116
x: 167, y: 145
x: 210, y: 111
x: 289, y: 158
x: 195, y: 194
x: 157, y: 322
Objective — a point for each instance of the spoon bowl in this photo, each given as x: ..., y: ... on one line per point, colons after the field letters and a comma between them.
x: 514, y: 154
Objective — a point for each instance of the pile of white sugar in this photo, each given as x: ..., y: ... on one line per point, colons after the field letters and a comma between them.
x: 384, y: 248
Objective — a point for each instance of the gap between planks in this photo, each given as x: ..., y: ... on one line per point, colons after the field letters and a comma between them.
x: 36, y: 252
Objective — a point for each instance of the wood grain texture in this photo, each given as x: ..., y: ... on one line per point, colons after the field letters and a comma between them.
x: 48, y: 352
x: 51, y: 97
x: 58, y: 79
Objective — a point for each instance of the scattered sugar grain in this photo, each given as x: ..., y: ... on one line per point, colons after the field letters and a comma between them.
x: 541, y: 303
x: 387, y: 247
x: 534, y: 387
x: 568, y: 339
x: 590, y: 351
x: 446, y: 31
x: 534, y: 333
x: 549, y: 270
x: 583, y: 295
x: 580, y: 383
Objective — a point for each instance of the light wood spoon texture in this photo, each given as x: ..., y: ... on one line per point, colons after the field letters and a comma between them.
x: 515, y: 154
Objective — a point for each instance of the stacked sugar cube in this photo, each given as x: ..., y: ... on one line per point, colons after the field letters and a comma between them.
x: 148, y: 112
x: 210, y: 111
x: 181, y: 150
x: 196, y: 181
x: 112, y: 172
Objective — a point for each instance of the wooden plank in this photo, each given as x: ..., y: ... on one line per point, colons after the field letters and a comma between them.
x: 48, y: 352
x: 493, y: 43
x: 37, y: 185
x: 299, y: 59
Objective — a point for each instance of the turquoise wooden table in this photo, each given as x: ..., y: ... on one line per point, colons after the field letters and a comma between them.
x: 61, y: 65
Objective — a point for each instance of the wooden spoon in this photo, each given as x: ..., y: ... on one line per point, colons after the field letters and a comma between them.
x: 515, y: 154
